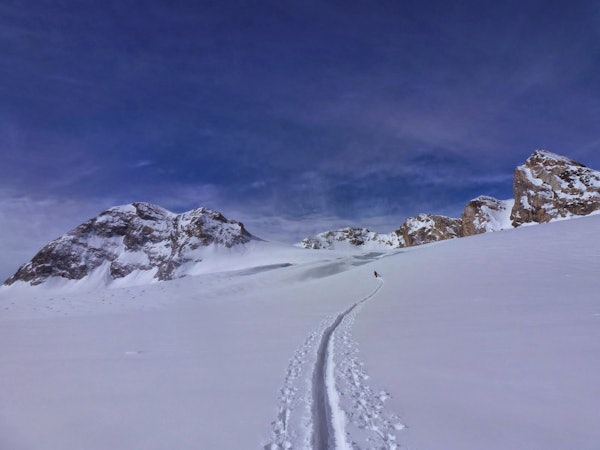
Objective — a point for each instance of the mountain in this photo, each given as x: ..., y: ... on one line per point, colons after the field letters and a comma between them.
x: 483, y: 343
x: 486, y: 214
x: 352, y: 237
x: 414, y: 231
x: 550, y: 186
x: 133, y: 240
x: 428, y: 228
x: 145, y: 242
x: 547, y: 187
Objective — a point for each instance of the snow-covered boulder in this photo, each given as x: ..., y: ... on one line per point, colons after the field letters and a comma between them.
x: 427, y: 228
x: 550, y: 186
x: 351, y: 237
x: 132, y: 238
x: 485, y: 214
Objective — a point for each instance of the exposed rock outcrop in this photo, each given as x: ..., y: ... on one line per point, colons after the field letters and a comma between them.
x: 550, y: 186
x: 353, y: 236
x: 427, y: 228
x: 144, y: 238
x: 135, y: 237
x: 485, y: 214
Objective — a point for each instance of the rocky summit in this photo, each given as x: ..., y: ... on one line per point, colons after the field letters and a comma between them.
x: 485, y: 214
x: 352, y: 236
x: 132, y: 238
x: 547, y: 187
x: 550, y: 186
x: 428, y: 228
x: 141, y: 238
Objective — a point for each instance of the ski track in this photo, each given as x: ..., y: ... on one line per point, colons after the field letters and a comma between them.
x: 336, y: 403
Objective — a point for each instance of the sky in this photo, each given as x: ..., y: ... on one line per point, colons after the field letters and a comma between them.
x: 294, y: 117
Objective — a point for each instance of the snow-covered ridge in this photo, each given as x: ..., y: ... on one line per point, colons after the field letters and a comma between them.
x: 140, y: 243
x: 486, y: 214
x: 547, y: 187
x: 134, y: 240
x: 350, y: 238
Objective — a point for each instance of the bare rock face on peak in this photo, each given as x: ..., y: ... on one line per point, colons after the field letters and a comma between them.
x: 354, y: 236
x: 135, y: 237
x: 427, y: 228
x: 550, y: 186
x: 486, y: 214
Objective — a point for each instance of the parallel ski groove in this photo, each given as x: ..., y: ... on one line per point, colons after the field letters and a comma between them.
x: 323, y: 426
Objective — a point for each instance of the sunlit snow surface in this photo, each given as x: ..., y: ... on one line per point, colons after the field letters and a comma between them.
x: 486, y: 342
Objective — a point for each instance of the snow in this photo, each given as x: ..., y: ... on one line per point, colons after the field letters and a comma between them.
x: 490, y: 341
x: 417, y: 223
x: 347, y: 240
x: 545, y: 154
x: 496, y: 219
x: 338, y: 418
x: 530, y: 176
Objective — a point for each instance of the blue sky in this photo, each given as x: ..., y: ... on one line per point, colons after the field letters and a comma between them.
x: 292, y: 116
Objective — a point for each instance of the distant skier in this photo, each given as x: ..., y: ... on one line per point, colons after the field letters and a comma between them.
x: 376, y: 274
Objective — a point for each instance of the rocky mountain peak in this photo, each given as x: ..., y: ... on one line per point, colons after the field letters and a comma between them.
x: 550, y: 186
x: 484, y: 214
x: 132, y: 238
x: 426, y: 228
x: 354, y: 236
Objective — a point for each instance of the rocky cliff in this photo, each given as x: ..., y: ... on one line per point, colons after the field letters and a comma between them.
x: 414, y: 231
x: 133, y: 238
x: 143, y: 238
x: 485, y: 214
x: 549, y: 186
x: 428, y: 228
x: 352, y: 236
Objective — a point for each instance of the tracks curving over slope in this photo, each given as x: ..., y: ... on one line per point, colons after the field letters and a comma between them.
x: 336, y: 405
x: 328, y: 418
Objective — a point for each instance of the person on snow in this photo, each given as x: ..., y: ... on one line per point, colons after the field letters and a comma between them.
x: 376, y: 274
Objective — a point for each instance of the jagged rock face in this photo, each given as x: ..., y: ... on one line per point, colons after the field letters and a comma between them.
x: 485, y: 214
x: 358, y: 237
x: 133, y: 237
x: 550, y: 186
x: 427, y: 228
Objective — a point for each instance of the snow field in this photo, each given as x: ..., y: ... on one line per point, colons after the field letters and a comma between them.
x: 490, y: 341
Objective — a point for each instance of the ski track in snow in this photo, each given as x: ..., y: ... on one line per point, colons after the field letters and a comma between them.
x: 285, y: 433
x: 368, y: 421
x: 334, y: 408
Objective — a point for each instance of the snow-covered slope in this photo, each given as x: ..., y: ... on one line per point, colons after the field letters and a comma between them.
x: 492, y: 341
x: 487, y: 342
